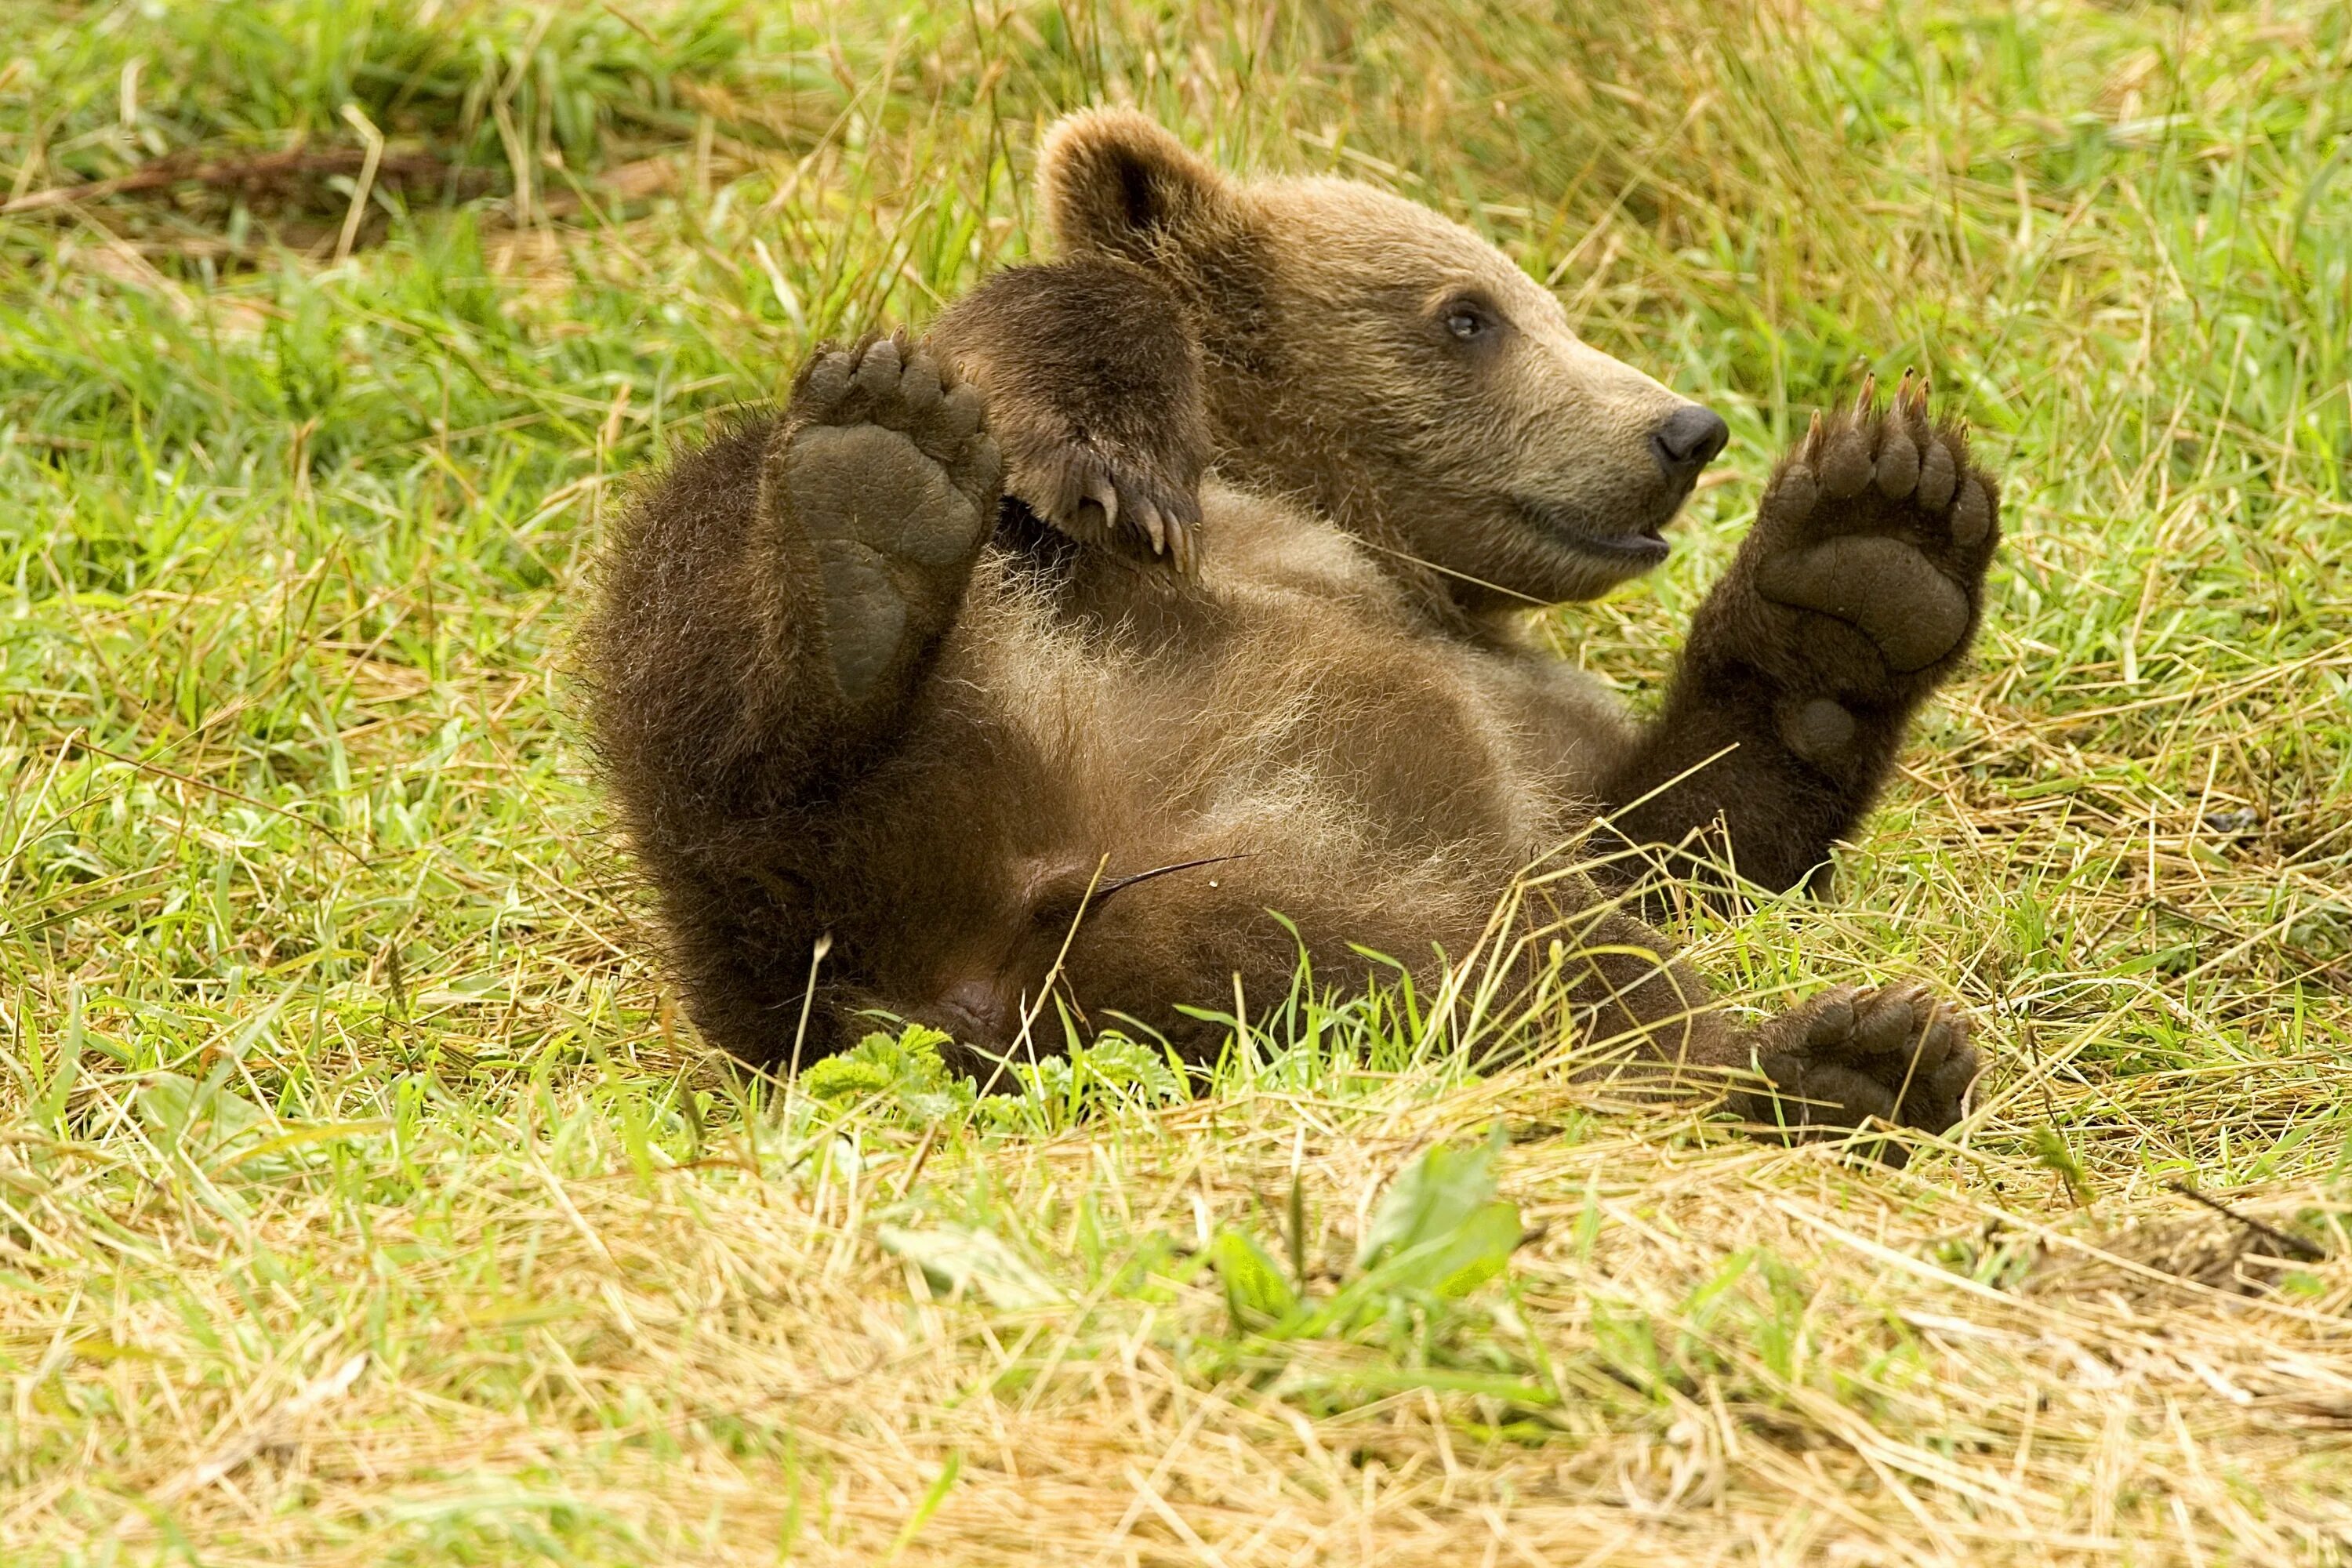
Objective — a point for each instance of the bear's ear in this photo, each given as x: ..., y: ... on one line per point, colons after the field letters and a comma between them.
x: 1110, y: 181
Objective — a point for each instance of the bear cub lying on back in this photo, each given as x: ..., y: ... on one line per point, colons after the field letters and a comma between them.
x: 1160, y: 616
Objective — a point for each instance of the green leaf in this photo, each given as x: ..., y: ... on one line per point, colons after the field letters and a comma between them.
x: 965, y: 1262
x: 1257, y: 1291
x: 902, y: 1074
x: 205, y: 1120
x: 1475, y: 1251
x: 1436, y: 1195
x: 1051, y: 1091
x: 1119, y: 1063
x: 845, y: 1078
x: 1446, y: 1267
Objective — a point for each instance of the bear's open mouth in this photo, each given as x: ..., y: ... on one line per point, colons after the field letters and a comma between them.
x: 1565, y: 525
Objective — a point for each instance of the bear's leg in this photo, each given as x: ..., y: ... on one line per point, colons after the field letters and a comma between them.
x: 876, y: 496
x: 1855, y: 595
x: 1838, y: 1061
x: 1842, y: 1059
x: 768, y: 610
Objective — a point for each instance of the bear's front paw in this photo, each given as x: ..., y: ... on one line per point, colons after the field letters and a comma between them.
x: 1139, y: 506
x: 1848, y: 1058
x: 1871, y: 546
x: 1094, y: 381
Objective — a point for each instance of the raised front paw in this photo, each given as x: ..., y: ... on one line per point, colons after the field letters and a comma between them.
x: 1094, y: 385
x: 1848, y: 1058
x: 1103, y: 497
x: 1872, y: 543
x: 882, y: 464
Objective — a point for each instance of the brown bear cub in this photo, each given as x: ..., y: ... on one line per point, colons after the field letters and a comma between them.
x: 1156, y: 622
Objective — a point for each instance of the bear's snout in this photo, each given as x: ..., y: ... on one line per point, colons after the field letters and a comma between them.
x: 1687, y: 440
x: 976, y: 1010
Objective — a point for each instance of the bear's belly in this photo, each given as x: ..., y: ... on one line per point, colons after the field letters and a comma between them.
x: 1285, y: 703
x: 1292, y: 752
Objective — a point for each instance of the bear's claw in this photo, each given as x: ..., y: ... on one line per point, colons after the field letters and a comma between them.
x: 893, y: 483
x: 1094, y: 499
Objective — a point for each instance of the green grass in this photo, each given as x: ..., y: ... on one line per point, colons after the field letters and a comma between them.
x: 364, y: 1200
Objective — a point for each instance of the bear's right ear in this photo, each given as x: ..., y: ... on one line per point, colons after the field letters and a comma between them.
x: 1111, y: 181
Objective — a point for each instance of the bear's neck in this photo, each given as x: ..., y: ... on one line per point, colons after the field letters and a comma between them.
x: 1259, y: 447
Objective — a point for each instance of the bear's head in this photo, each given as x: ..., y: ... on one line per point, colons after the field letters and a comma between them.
x: 1391, y: 368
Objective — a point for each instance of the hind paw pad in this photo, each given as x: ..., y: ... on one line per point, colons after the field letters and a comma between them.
x: 1848, y: 1058
x: 892, y: 480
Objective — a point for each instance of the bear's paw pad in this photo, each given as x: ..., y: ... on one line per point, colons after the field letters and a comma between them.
x: 894, y: 482
x: 1848, y: 1058
x: 1880, y: 520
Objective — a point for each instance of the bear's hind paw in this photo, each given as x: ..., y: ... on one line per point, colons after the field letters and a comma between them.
x: 883, y: 465
x: 1848, y: 1058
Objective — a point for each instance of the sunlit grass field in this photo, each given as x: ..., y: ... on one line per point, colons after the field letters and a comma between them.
x: 364, y: 1199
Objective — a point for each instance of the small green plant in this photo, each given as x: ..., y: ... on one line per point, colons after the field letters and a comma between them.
x: 901, y: 1077
x: 1440, y: 1231
x: 1052, y: 1092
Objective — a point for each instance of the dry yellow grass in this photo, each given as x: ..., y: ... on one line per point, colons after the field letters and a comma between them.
x: 700, y: 1365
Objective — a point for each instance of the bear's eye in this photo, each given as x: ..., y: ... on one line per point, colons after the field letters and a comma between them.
x: 1465, y: 323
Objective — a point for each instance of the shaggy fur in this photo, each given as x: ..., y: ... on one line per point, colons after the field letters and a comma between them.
x: 1203, y: 653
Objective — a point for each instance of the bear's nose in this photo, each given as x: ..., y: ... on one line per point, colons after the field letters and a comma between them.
x: 1688, y: 440
x: 975, y: 1011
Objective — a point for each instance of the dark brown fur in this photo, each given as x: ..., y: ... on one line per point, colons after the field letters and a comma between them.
x: 831, y: 706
